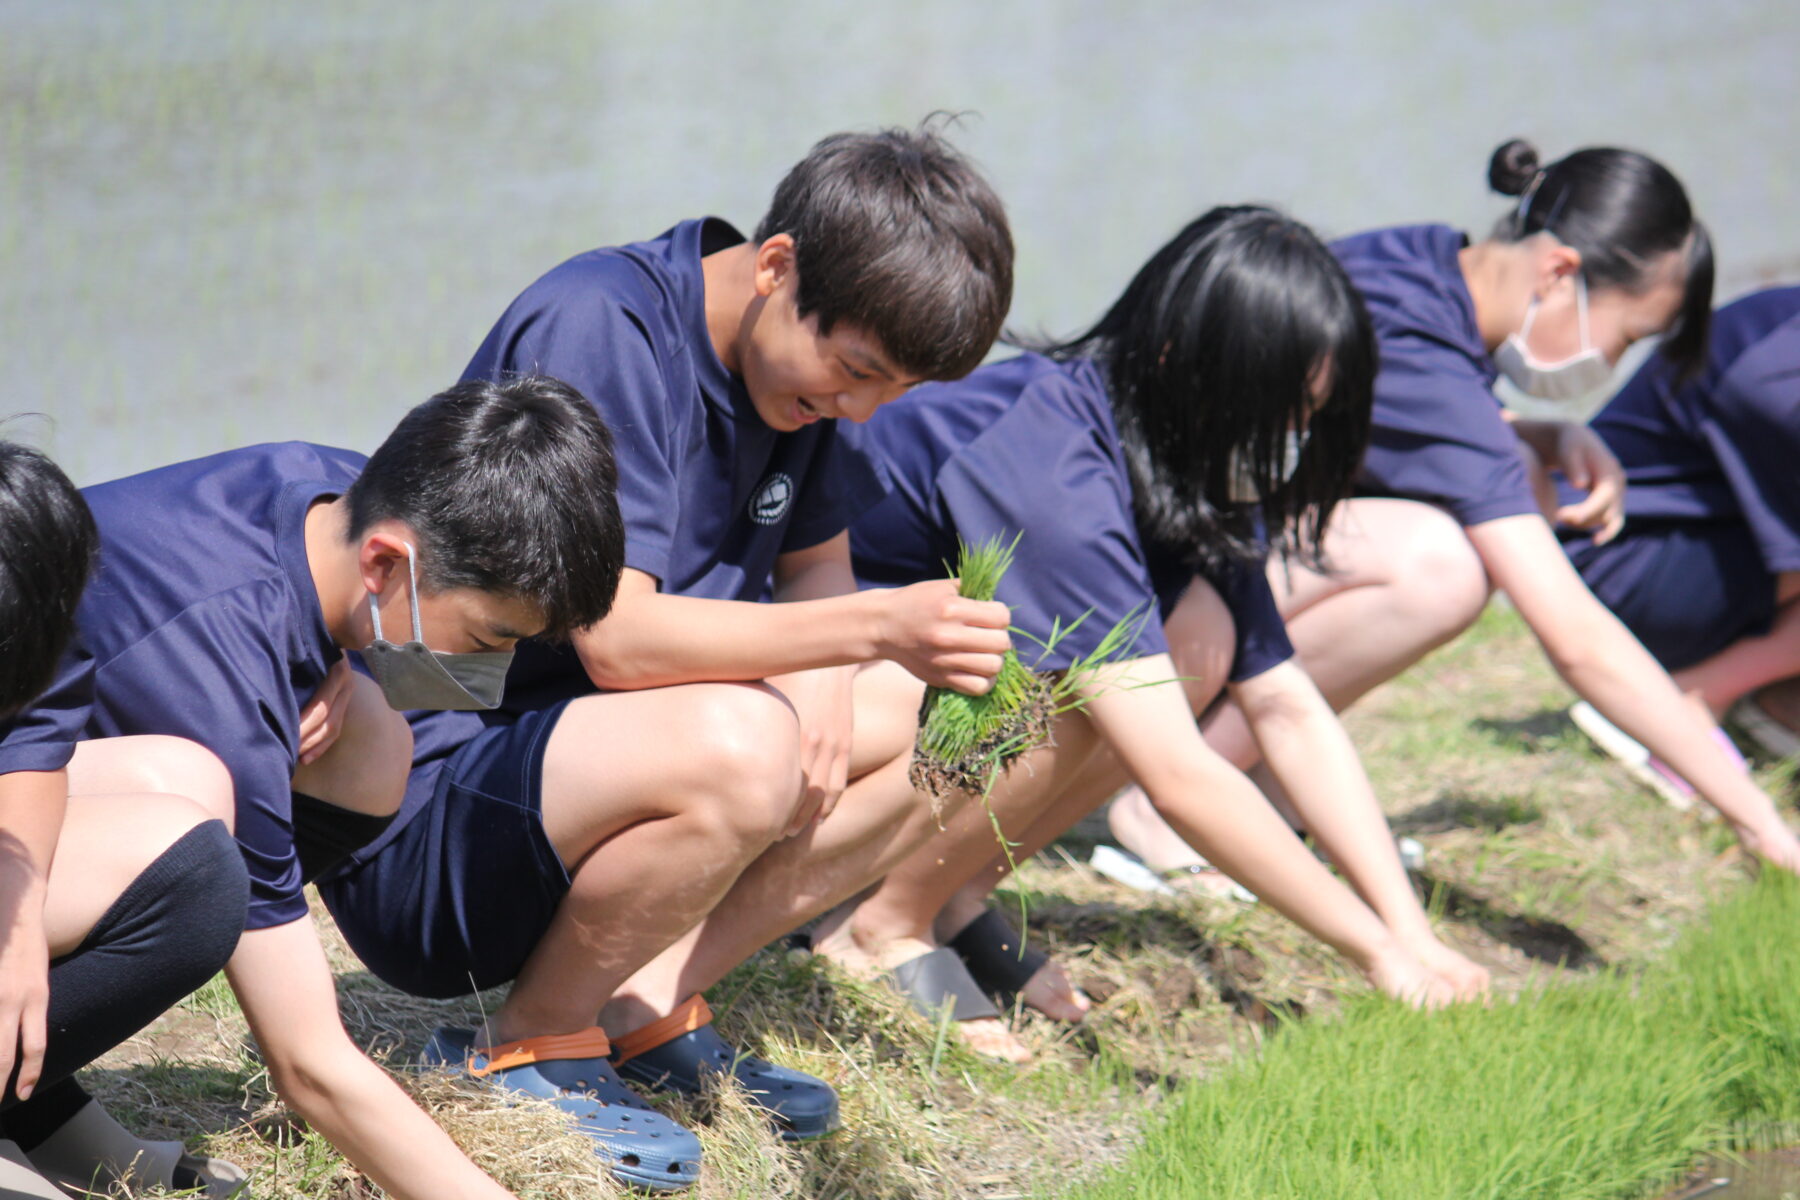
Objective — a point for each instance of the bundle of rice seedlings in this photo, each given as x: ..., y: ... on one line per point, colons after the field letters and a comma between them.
x: 965, y: 742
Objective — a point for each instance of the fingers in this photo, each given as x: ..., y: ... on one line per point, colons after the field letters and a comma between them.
x: 322, y: 718
x: 33, y: 1038
x: 985, y: 614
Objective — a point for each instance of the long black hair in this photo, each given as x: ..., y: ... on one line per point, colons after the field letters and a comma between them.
x: 1624, y: 211
x: 47, y: 546
x: 1210, y: 357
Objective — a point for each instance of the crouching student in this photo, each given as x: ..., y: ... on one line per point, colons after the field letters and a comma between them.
x: 119, y: 895
x: 1600, y: 249
x: 1706, y: 569
x: 1228, y: 386
x: 563, y: 844
x: 228, y: 590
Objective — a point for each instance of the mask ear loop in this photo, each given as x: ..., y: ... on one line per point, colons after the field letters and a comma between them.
x: 412, y: 596
x: 1581, y: 311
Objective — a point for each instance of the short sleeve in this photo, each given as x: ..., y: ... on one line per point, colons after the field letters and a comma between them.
x: 1262, y: 637
x: 1438, y: 434
x: 1078, y: 558
x: 212, y: 676
x: 843, y: 481
x: 560, y: 327
x: 43, y: 736
x: 1753, y: 429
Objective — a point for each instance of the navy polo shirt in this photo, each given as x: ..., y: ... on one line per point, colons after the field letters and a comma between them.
x: 711, y: 495
x: 1725, y: 447
x: 201, y: 621
x: 1437, y: 433
x: 1027, y: 446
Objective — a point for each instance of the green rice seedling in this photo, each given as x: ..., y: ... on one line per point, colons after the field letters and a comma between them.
x: 965, y: 742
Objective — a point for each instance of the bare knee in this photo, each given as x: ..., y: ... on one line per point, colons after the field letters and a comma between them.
x: 182, y: 771
x: 747, y: 759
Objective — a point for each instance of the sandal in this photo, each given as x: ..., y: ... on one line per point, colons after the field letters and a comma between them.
x: 937, y: 979
x: 1771, y: 735
x: 1645, y: 767
x: 679, y: 1050
x: 999, y: 961
x: 641, y: 1147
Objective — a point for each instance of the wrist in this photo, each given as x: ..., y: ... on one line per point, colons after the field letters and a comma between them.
x: 874, y: 622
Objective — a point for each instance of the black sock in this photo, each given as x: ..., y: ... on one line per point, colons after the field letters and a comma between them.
x: 170, y: 930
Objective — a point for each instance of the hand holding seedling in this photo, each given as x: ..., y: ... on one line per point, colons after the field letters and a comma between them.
x: 944, y: 638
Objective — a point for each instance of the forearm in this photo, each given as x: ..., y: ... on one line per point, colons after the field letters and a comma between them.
x: 1611, y: 670
x: 658, y: 640
x: 1311, y: 755
x: 1222, y: 815
x: 363, y: 1112
x: 1541, y: 436
x: 32, y: 804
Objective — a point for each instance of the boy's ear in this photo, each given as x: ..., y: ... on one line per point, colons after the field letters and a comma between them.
x: 381, y: 555
x: 775, y: 264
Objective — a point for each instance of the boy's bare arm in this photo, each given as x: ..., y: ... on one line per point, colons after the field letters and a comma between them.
x: 654, y: 640
x: 284, y: 985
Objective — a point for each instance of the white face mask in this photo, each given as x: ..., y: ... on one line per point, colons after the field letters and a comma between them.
x: 1580, y: 375
x: 1240, y: 485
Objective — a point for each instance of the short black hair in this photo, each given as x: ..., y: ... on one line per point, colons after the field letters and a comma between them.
x: 897, y: 234
x: 47, y: 547
x: 1210, y: 357
x: 1623, y: 211
x: 512, y: 489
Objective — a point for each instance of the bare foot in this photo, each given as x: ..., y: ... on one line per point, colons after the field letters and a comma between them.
x: 833, y: 938
x: 1054, y: 994
x: 1401, y: 975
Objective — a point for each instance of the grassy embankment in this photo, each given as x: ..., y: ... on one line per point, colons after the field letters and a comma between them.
x: 1540, y: 853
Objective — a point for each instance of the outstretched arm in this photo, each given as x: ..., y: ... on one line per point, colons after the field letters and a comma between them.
x: 284, y: 985
x: 1223, y: 815
x: 1598, y: 657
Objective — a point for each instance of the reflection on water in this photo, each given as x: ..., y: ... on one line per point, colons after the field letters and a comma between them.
x: 1771, y: 1176
x: 225, y: 222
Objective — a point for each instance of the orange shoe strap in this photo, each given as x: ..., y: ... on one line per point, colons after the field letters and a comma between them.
x: 689, y: 1015
x: 589, y: 1043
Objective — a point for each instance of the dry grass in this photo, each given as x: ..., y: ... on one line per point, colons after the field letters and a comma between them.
x: 1540, y: 851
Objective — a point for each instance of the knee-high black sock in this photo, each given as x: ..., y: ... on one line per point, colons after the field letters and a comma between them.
x: 170, y: 930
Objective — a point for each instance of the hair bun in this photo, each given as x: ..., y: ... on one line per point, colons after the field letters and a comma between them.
x: 1513, y: 167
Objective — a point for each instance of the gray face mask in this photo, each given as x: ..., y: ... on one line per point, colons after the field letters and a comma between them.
x: 1581, y: 374
x: 415, y: 676
x: 1240, y: 484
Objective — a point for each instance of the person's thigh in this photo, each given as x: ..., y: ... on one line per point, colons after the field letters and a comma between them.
x: 105, y: 843
x: 1376, y: 540
x: 153, y: 763
x: 365, y: 770
x: 887, y: 700
x: 619, y: 758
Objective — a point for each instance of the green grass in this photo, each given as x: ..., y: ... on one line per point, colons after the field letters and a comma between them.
x: 1596, y: 1088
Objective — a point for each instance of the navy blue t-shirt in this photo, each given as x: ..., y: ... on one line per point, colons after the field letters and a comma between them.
x: 1027, y: 446
x: 1726, y: 447
x: 710, y: 494
x: 201, y: 621
x: 1437, y: 432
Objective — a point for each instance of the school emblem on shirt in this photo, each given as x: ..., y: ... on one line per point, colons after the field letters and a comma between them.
x: 773, y: 499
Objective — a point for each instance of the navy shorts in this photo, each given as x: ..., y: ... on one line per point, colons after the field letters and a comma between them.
x: 455, y: 898
x: 1687, y: 589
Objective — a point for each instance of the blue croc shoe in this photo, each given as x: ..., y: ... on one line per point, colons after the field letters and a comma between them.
x: 677, y: 1050
x: 641, y: 1147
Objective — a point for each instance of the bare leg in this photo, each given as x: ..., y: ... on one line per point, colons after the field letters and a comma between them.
x: 1403, y: 580
x: 365, y: 769
x: 878, y: 821
x: 1753, y: 662
x: 656, y: 800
